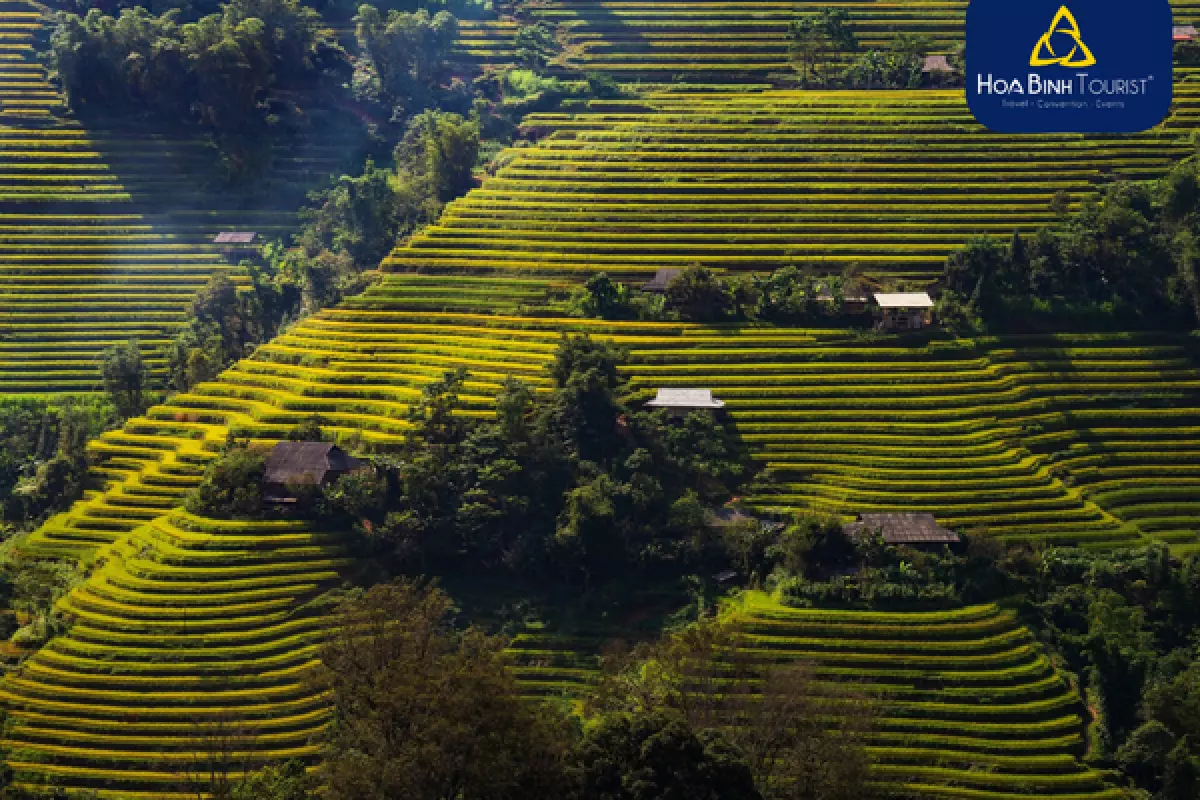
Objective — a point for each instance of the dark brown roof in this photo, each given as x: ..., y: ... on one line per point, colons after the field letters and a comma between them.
x: 903, y: 528
x: 234, y: 237
x: 660, y: 280
x: 307, y: 462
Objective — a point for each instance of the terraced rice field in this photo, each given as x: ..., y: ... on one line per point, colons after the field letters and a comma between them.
x: 485, y: 43
x: 967, y: 704
x: 190, y: 629
x: 892, y: 182
x: 712, y: 40
x: 184, y: 621
x: 104, y: 234
x: 1057, y: 438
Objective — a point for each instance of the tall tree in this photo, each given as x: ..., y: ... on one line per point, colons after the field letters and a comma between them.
x: 816, y: 38
x: 404, y: 57
x: 440, y: 149
x: 125, y: 377
x: 800, y: 740
x: 423, y: 712
x: 656, y: 755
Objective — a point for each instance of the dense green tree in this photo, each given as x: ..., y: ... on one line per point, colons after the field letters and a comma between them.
x: 698, y: 678
x: 568, y: 484
x: 232, y: 485
x: 535, y: 45
x: 289, y: 781
x: 43, y: 457
x: 816, y: 38
x: 404, y: 57
x: 214, y: 71
x: 697, y: 294
x: 1143, y: 756
x: 1129, y: 259
x: 225, y: 324
x: 656, y: 755
x: 1181, y: 775
x: 603, y: 297
x: 439, y: 151
x: 424, y: 712
x: 900, y: 66
x: 1173, y: 697
x: 361, y: 216
x: 125, y: 377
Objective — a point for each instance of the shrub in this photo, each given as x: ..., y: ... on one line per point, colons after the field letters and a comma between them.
x: 232, y: 485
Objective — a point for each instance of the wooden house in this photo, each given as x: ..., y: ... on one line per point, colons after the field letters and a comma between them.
x: 295, y: 464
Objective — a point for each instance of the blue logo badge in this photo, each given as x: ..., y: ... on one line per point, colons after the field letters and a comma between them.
x: 1083, y: 66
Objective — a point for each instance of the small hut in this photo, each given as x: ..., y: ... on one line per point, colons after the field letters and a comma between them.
x: 658, y: 284
x: 1183, y: 33
x: 907, y: 529
x: 293, y: 464
x: 235, y: 243
x: 679, y: 402
x: 903, y: 311
x: 937, y: 65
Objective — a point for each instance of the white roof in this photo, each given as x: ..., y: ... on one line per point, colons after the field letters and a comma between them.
x: 685, y: 398
x: 905, y: 300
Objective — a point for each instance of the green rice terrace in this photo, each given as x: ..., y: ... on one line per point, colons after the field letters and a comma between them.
x: 971, y: 707
x: 184, y: 622
x: 891, y: 181
x: 715, y: 40
x: 1056, y: 438
x: 188, y: 623
x: 99, y: 239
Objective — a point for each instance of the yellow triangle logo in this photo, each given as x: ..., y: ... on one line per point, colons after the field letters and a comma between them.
x: 1075, y: 52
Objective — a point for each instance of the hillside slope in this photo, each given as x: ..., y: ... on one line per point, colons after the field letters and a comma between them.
x: 1054, y: 438
x: 190, y: 644
x: 106, y: 234
x: 738, y: 40
x: 890, y: 181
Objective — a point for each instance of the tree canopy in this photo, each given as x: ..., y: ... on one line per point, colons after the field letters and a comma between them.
x: 575, y: 483
x: 1130, y: 258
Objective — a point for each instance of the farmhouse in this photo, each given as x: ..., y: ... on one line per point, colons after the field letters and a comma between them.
x: 903, y: 311
x: 909, y: 529
x: 294, y: 464
x: 658, y: 283
x: 684, y: 401
x: 1184, y: 33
